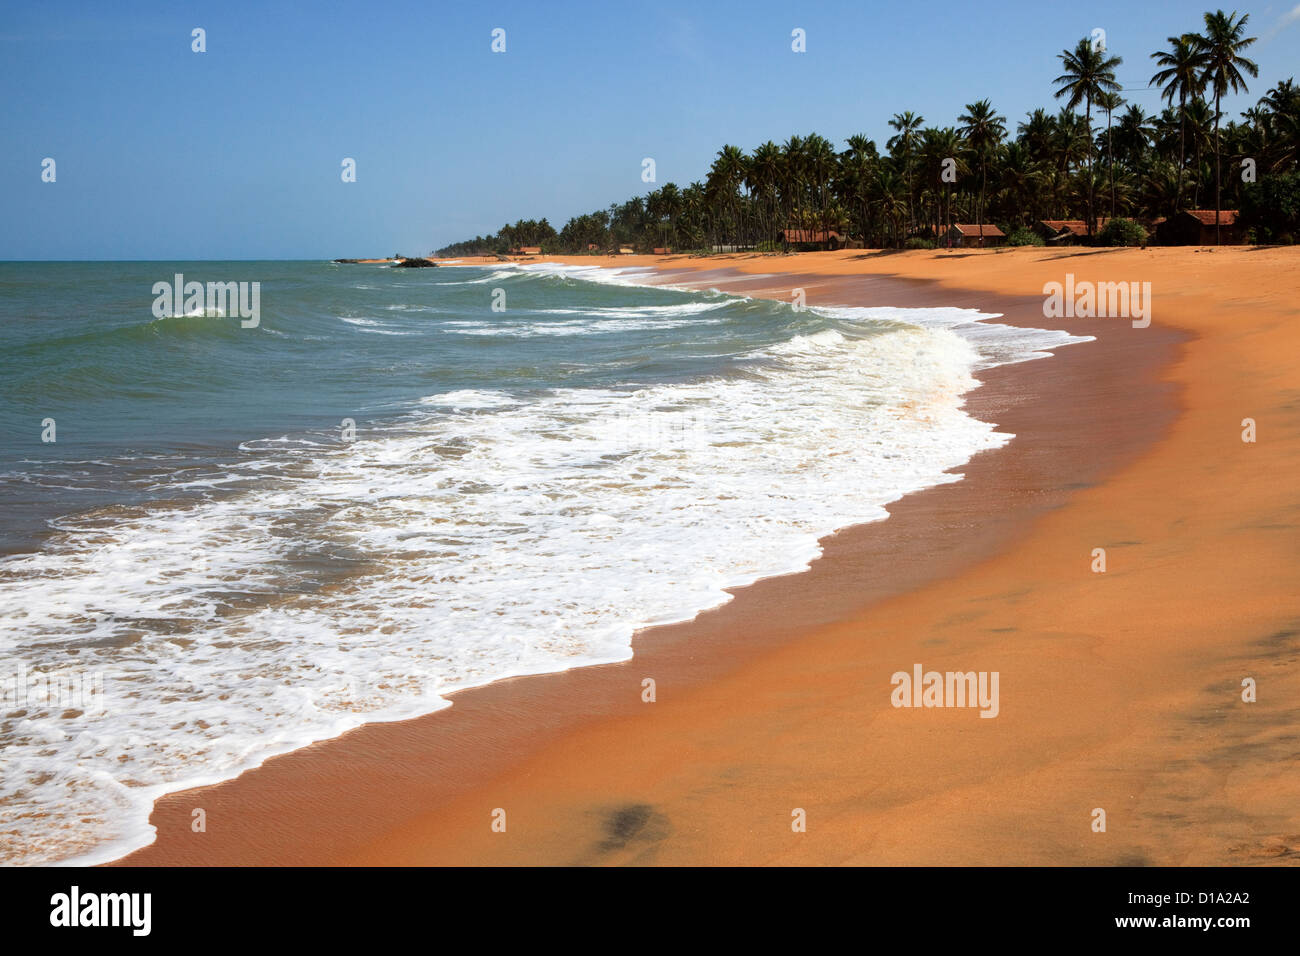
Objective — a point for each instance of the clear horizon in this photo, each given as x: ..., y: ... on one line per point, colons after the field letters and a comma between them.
x: 164, y: 154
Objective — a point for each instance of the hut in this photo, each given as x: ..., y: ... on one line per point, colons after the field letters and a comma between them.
x: 1067, y: 231
x: 1195, y: 227
x: 811, y: 239
x: 972, y: 235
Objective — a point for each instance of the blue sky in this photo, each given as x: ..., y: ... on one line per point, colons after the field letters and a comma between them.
x: 163, y: 153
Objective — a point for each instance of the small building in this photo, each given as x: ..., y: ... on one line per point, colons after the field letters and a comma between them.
x: 592, y: 247
x: 1195, y: 227
x: 529, y: 251
x: 1067, y: 231
x: 626, y: 251
x: 662, y: 251
x: 813, y: 238
x: 972, y: 235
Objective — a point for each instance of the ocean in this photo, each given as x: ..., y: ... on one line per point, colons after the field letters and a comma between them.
x: 223, y: 541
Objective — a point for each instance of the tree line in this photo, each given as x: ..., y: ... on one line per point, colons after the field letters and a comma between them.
x: 1063, y: 164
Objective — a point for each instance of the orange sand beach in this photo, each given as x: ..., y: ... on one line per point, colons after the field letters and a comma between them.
x: 1120, y: 690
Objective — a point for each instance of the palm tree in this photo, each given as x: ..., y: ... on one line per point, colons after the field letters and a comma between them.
x: 670, y: 204
x: 902, y: 146
x: 820, y: 165
x: 1200, y: 132
x: 765, y: 178
x: 1221, y: 47
x: 792, y: 156
x: 1132, y: 133
x: 857, y: 166
x: 1089, y: 72
x: 1285, y: 96
x: 1162, y: 190
x: 1282, y: 104
x: 1069, y: 141
x: 725, y: 177
x: 695, y: 212
x: 627, y: 221
x: 983, y: 129
x: 1183, y: 65
x: 1110, y: 101
x: 654, y: 208
x: 889, y: 201
x: 1019, y: 179
x: 1257, y: 137
x: 938, y: 145
x: 1036, y: 133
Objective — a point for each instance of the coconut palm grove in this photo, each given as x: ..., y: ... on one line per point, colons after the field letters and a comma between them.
x: 1092, y: 158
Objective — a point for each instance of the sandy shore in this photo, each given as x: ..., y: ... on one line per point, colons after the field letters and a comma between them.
x: 1118, y: 690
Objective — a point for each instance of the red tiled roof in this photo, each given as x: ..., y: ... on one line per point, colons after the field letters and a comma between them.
x: 1227, y: 217
x: 972, y: 229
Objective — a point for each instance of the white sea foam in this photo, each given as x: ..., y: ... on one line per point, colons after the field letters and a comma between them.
x: 995, y: 343
x: 484, y: 535
x: 606, y: 275
x: 593, y: 321
x: 372, y: 326
x: 499, y: 275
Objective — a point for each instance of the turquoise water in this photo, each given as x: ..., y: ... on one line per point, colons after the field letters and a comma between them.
x: 206, y: 568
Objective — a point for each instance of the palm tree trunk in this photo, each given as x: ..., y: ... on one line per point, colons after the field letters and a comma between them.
x: 1218, y: 171
x: 1088, y: 131
x: 911, y: 220
x: 1110, y: 150
x: 1196, y: 189
x: 1182, y: 143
